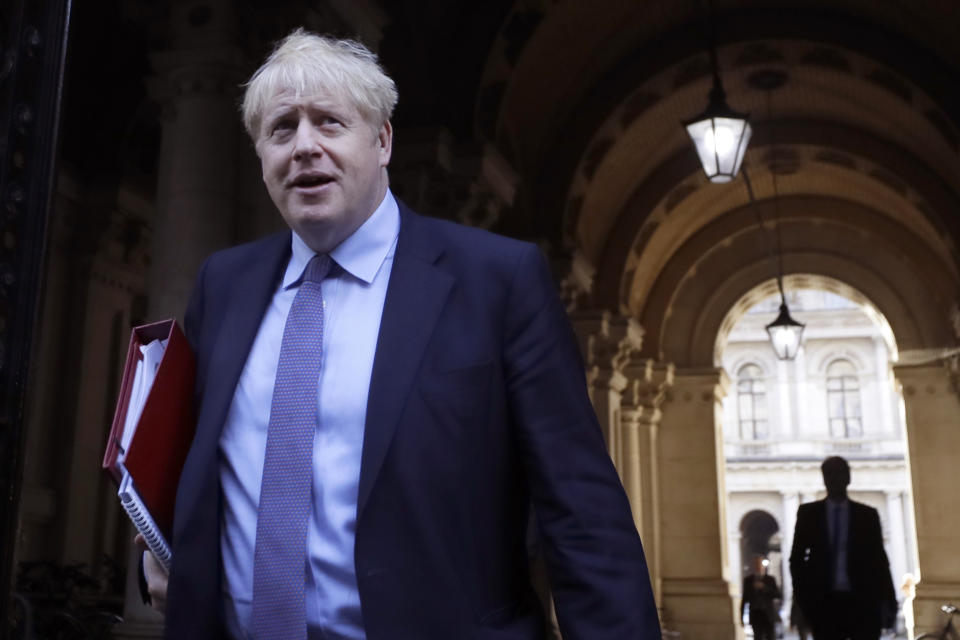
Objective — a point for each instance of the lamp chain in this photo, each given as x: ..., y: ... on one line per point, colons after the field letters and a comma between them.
x: 776, y: 197
x: 763, y: 230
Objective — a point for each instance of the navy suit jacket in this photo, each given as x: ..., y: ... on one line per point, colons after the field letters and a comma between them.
x: 867, y: 566
x: 477, y: 409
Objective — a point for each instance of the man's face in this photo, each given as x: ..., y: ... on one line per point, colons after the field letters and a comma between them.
x: 324, y: 165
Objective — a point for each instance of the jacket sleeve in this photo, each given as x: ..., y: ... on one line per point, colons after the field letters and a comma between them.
x: 797, y: 551
x: 597, y: 568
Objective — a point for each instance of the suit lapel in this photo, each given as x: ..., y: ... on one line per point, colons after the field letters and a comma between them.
x: 415, y: 297
x: 252, y: 289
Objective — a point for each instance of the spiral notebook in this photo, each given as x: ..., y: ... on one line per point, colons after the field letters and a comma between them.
x: 153, y: 426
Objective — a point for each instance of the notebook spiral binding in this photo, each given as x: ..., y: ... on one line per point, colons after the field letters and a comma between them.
x: 146, y: 526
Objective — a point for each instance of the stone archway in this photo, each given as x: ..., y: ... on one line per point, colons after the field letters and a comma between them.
x: 759, y: 538
x: 930, y: 396
x: 757, y: 529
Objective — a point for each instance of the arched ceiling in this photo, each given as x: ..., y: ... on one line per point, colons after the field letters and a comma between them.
x: 768, y: 289
x: 856, y: 153
x: 695, y: 291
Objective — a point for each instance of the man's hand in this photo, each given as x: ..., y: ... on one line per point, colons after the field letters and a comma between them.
x: 156, y: 576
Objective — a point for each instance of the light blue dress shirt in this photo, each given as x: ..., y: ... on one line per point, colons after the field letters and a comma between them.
x: 353, y: 301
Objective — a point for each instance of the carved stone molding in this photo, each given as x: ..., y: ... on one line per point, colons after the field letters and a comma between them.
x: 607, y: 340
x: 700, y: 385
x: 216, y: 71
x: 577, y: 283
x: 647, y: 383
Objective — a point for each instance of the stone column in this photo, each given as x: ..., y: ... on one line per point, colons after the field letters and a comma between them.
x: 889, y: 428
x: 898, y: 535
x: 790, y: 500
x: 98, y: 331
x: 735, y: 558
x: 800, y: 428
x: 607, y: 342
x: 647, y: 383
x: 197, y: 82
x: 696, y: 598
x: 932, y: 409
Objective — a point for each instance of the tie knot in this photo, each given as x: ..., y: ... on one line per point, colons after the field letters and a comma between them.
x: 318, y: 268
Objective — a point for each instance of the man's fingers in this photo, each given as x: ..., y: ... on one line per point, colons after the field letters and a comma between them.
x: 156, y: 577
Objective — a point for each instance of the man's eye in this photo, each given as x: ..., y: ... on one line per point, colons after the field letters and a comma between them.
x: 283, y: 125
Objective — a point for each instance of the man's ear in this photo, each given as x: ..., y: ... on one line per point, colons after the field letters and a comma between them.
x: 385, y: 142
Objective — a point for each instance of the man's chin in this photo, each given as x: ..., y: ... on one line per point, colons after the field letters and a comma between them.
x: 302, y: 218
x: 320, y: 230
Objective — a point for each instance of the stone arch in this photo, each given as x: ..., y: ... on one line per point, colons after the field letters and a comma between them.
x: 795, y: 282
x: 758, y: 530
x: 631, y: 244
x: 828, y: 359
x: 555, y: 127
x: 706, y: 277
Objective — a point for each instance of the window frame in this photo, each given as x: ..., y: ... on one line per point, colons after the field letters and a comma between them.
x: 841, y: 389
x: 752, y: 428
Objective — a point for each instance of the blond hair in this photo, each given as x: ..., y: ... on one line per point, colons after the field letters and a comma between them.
x: 308, y: 64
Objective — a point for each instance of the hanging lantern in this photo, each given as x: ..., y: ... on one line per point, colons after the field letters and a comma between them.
x: 721, y: 136
x: 785, y: 333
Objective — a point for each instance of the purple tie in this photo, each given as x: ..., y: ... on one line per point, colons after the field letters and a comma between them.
x: 280, y: 556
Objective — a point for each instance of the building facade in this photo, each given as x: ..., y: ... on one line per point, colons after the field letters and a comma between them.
x: 782, y: 418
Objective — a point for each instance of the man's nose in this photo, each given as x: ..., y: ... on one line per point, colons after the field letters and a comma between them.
x: 306, y: 142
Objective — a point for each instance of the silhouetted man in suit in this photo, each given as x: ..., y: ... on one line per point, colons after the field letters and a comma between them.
x: 382, y: 397
x: 761, y: 592
x: 841, y: 576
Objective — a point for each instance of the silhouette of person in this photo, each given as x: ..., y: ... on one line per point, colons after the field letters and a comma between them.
x: 798, y: 621
x: 841, y: 575
x: 761, y: 592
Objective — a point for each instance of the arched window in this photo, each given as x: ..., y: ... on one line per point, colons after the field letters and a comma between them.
x: 843, y: 400
x: 752, y: 403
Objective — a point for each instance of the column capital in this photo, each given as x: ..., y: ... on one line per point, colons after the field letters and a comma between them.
x: 647, y: 382
x: 607, y: 340
x: 707, y: 384
x: 606, y: 378
x: 577, y: 282
x: 215, y: 70
x: 930, y: 378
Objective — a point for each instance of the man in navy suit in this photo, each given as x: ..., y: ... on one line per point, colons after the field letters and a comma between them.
x: 841, y: 576
x: 450, y: 401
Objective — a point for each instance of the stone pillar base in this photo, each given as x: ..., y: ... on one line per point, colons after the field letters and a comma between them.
x: 927, y: 616
x: 700, y: 609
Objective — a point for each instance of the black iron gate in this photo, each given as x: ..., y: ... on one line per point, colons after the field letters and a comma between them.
x: 33, y: 36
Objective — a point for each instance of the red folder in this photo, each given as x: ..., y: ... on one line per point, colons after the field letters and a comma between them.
x: 155, y: 455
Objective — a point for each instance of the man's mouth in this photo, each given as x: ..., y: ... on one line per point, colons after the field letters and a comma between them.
x: 308, y: 181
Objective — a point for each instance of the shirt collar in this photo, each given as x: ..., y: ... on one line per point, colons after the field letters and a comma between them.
x: 361, y: 254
